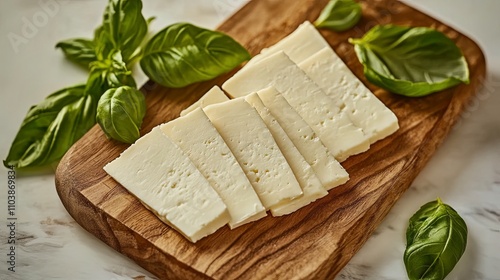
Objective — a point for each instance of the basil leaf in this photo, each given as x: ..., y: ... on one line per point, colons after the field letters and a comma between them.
x: 51, y: 127
x: 80, y: 51
x: 103, y: 44
x: 436, y: 239
x: 339, y: 15
x: 123, y: 28
x: 120, y: 112
x: 410, y: 61
x: 182, y: 54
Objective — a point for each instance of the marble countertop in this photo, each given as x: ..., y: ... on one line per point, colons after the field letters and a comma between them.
x: 465, y: 171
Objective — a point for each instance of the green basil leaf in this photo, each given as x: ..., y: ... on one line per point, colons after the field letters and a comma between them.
x: 150, y: 20
x: 436, y: 239
x: 410, y: 61
x: 80, y: 51
x: 339, y: 15
x: 182, y: 54
x: 120, y: 112
x: 51, y: 127
x: 124, y: 28
x: 103, y: 44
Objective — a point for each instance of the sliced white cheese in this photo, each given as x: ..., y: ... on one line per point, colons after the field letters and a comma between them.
x: 328, y: 170
x: 307, y: 47
x: 198, y: 138
x: 157, y: 172
x: 253, y: 146
x: 214, y: 95
x: 338, y: 82
x: 326, y: 117
x: 298, y: 45
x: 309, y: 182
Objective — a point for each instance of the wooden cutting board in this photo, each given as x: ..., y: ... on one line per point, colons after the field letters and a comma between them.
x: 314, y: 242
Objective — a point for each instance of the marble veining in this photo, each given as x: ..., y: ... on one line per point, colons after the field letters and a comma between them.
x: 465, y: 171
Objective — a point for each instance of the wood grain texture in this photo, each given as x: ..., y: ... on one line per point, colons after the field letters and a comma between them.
x: 312, y: 243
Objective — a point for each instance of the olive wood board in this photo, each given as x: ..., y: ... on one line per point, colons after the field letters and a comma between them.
x: 315, y: 242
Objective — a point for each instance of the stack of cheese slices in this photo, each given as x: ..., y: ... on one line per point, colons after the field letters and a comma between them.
x: 297, y: 111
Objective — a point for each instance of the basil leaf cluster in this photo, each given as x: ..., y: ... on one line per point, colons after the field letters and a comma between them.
x: 436, y: 239
x: 411, y: 61
x: 177, y: 56
x: 182, y: 54
x: 109, y: 73
x: 339, y: 15
x: 51, y: 127
x: 116, y: 45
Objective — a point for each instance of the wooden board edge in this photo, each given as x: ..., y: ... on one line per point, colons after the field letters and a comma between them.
x: 104, y: 232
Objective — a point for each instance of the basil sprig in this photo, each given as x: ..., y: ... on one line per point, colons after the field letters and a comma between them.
x: 120, y: 113
x: 339, y: 15
x: 410, y: 61
x: 436, y: 239
x: 56, y: 123
x: 182, y: 54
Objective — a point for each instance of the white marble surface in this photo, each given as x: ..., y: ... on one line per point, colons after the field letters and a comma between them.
x: 465, y: 172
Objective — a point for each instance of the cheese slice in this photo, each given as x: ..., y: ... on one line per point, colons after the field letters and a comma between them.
x: 214, y: 95
x: 326, y: 118
x: 338, y: 82
x: 157, y: 172
x: 254, y: 148
x: 198, y: 138
x: 309, y: 182
x: 328, y: 170
x: 298, y: 45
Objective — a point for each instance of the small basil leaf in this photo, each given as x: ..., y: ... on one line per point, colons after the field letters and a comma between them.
x: 103, y: 44
x: 124, y: 27
x: 410, y: 61
x: 150, y: 20
x: 80, y: 51
x: 109, y: 73
x: 436, y: 239
x: 182, y: 54
x: 339, y: 15
x: 51, y: 127
x: 120, y: 112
